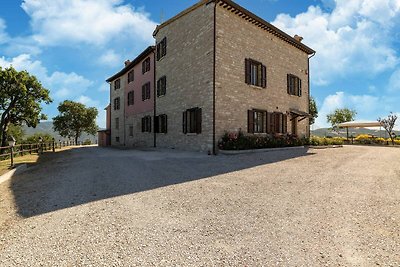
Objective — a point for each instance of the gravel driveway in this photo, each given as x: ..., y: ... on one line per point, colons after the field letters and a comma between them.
x: 108, y: 207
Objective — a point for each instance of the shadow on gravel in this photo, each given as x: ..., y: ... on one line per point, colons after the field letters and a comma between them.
x: 82, y: 175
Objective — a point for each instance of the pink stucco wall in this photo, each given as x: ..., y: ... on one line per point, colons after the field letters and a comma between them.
x: 140, y: 79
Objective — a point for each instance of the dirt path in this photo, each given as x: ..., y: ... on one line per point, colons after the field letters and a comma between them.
x: 107, y: 207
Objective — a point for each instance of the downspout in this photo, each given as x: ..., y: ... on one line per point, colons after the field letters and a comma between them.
x: 110, y: 114
x: 214, y: 78
x: 309, y: 92
x: 154, y: 102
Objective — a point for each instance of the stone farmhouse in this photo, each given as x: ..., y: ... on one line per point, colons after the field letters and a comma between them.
x: 217, y: 68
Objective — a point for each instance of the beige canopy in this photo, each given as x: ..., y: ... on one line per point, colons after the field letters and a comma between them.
x: 357, y: 124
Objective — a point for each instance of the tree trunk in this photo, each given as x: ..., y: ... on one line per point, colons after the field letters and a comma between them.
x: 76, y: 139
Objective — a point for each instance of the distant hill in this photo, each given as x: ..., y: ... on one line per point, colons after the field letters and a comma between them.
x: 352, y: 131
x: 47, y: 127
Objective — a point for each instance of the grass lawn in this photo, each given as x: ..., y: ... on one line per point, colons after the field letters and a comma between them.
x: 5, y: 164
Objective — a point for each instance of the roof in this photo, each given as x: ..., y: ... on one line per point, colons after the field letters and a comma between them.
x: 300, y: 113
x: 248, y: 16
x: 134, y: 62
x: 356, y: 124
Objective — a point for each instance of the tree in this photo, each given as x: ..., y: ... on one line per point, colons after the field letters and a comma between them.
x: 34, y: 139
x: 340, y: 116
x: 313, y: 110
x: 16, y: 131
x: 21, y: 95
x: 389, y: 123
x: 74, y: 119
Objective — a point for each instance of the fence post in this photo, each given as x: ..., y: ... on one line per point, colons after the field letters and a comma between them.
x: 54, y: 143
x: 12, y: 156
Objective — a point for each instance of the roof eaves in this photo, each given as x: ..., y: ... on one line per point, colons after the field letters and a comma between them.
x: 249, y: 16
x: 139, y: 58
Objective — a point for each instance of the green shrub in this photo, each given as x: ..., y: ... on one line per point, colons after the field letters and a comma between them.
x: 87, y: 142
x: 239, y: 141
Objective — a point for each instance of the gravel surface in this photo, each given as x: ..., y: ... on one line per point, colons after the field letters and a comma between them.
x: 108, y: 207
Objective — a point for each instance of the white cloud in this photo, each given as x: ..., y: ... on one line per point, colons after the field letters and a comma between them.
x: 352, y: 39
x: 3, y: 34
x: 394, y: 82
x: 89, y: 102
x: 61, y: 85
x: 105, y: 87
x: 366, y: 106
x: 97, y: 22
x: 110, y: 58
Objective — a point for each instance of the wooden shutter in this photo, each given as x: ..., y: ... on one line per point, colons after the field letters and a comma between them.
x: 272, y: 122
x: 197, y: 115
x: 164, y: 44
x: 284, y: 122
x: 143, y: 92
x: 156, y: 124
x: 164, y: 85
x: 149, y: 118
x: 250, y: 121
x: 158, y: 87
x: 247, y: 71
x: 263, y: 76
x: 166, y: 123
x: 143, y: 125
x: 267, y: 119
x: 288, y: 84
x: 158, y: 51
x: 184, y: 122
x: 300, y: 89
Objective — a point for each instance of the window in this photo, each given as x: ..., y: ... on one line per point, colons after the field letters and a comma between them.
x: 131, y: 131
x: 259, y: 121
x: 256, y: 73
x: 162, y: 86
x: 117, y: 84
x: 146, y: 65
x: 192, y: 121
x: 160, y: 123
x: 162, y: 48
x: 116, y: 123
x: 146, y: 124
x: 146, y: 91
x: 117, y: 103
x: 131, y: 76
x: 256, y: 121
x: 131, y: 98
x: 117, y: 139
x: 293, y: 85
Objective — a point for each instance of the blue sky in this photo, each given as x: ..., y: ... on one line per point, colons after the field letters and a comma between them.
x: 72, y: 46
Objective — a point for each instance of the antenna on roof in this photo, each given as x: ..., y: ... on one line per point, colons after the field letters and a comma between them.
x: 161, y: 16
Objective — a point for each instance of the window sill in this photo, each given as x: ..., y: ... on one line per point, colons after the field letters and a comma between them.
x: 161, y: 58
x: 192, y: 134
x: 256, y: 87
x: 160, y: 96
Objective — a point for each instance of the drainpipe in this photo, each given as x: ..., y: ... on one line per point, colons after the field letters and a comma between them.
x: 309, y: 91
x: 214, y: 62
x: 155, y: 98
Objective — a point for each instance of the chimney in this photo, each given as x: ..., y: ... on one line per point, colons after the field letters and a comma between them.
x: 127, y: 62
x: 298, y: 38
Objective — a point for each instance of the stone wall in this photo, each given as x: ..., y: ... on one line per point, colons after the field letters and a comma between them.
x: 118, y: 113
x: 139, y: 138
x: 238, y: 39
x: 188, y: 66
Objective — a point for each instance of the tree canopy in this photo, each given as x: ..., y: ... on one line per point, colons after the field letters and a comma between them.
x: 74, y: 119
x: 21, y: 96
x: 388, y: 123
x: 340, y: 116
x: 313, y: 110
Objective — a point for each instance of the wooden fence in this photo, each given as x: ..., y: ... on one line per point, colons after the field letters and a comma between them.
x: 9, y: 152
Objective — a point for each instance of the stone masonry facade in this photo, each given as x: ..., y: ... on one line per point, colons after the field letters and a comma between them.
x: 188, y: 68
x: 238, y: 39
x: 202, y: 57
